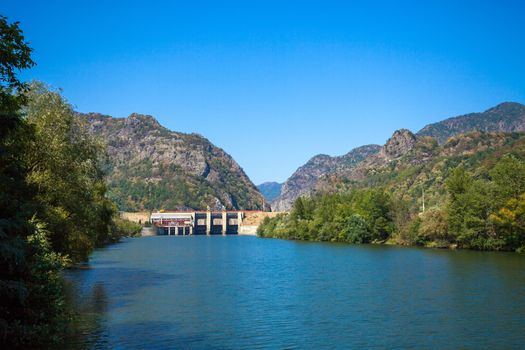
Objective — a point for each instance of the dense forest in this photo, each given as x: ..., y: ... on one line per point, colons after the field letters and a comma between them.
x: 468, y: 193
x: 53, y: 205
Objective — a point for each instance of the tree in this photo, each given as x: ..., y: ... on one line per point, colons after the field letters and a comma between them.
x: 468, y: 209
x: 67, y: 171
x: 508, y: 177
x: 433, y: 226
x: 298, y: 212
x: 510, y: 221
x: 357, y: 230
x: 30, y: 292
x: 15, y: 55
x: 374, y: 205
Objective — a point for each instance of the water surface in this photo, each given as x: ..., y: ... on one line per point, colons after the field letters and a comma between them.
x: 240, y: 292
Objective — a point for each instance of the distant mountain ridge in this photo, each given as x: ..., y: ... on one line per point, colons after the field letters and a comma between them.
x: 306, y: 177
x: 151, y: 167
x: 270, y: 190
x: 506, y: 117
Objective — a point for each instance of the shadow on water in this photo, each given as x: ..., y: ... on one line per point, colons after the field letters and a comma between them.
x: 244, y: 292
x: 92, y: 296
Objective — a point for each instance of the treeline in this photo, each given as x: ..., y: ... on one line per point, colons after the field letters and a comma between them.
x: 485, y: 213
x: 53, y: 205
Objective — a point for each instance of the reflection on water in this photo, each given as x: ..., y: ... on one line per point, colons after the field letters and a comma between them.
x: 246, y: 293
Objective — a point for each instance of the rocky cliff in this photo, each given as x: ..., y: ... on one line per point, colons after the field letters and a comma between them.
x: 305, y: 179
x: 151, y: 167
x: 402, y: 143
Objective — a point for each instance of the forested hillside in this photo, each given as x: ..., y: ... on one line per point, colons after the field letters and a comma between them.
x: 468, y: 192
x: 151, y: 167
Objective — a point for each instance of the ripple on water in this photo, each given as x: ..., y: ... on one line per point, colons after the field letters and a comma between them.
x: 249, y: 293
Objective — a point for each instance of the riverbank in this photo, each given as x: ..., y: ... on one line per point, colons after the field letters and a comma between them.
x: 262, y: 232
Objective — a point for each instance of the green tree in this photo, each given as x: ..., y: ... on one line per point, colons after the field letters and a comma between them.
x: 298, y: 211
x: 356, y: 230
x: 510, y: 221
x: 374, y: 205
x: 31, y: 305
x: 508, y: 177
x: 15, y: 55
x: 468, y: 210
x: 66, y: 169
x: 433, y: 226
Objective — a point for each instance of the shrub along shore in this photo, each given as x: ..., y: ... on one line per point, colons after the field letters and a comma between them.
x: 482, y: 208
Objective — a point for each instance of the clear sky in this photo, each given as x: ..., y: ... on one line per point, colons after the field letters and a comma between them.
x: 275, y: 82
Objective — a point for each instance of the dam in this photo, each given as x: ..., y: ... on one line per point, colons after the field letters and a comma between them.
x: 197, y: 222
x: 208, y: 222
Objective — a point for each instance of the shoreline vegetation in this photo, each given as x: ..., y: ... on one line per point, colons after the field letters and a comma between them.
x: 54, y: 210
x: 480, y: 205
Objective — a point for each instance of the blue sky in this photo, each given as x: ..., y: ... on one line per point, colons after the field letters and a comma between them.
x: 276, y: 82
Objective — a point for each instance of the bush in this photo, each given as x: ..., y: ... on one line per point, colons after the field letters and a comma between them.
x: 433, y: 226
x: 357, y: 230
x: 123, y: 228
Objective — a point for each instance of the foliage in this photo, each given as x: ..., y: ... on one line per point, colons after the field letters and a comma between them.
x: 510, y: 222
x: 124, y: 228
x: 357, y: 230
x: 15, y: 55
x: 53, y: 203
x: 67, y: 171
x: 360, y: 216
x: 39, y: 314
x: 16, y: 267
x: 479, y: 204
x: 46, y: 295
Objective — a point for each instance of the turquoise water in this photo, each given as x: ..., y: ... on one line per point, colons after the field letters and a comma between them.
x: 240, y: 292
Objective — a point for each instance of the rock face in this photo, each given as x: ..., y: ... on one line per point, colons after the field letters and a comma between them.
x: 505, y: 117
x: 151, y: 167
x: 270, y: 190
x: 401, y: 142
x: 305, y: 179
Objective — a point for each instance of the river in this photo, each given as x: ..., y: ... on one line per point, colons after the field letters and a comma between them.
x: 239, y: 292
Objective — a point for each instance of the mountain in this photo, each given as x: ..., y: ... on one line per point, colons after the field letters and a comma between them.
x: 270, y: 190
x: 406, y: 169
x: 402, y: 142
x: 465, y: 193
x: 151, y: 167
x: 304, y: 180
x: 505, y: 117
